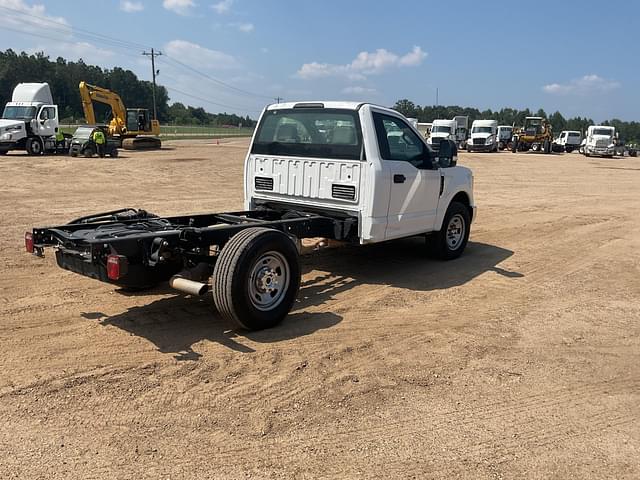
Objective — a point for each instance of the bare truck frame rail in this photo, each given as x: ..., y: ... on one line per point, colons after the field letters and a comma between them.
x: 135, y: 249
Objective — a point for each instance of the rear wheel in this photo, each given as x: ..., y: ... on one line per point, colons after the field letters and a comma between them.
x: 113, y: 153
x: 34, y: 146
x: 451, y: 240
x: 256, y: 278
x: 535, y: 147
x: 89, y: 152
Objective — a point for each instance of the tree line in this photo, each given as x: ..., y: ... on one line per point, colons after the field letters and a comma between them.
x: 628, y: 131
x: 64, y: 76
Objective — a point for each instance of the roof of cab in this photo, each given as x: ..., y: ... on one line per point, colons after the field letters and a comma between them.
x: 325, y: 104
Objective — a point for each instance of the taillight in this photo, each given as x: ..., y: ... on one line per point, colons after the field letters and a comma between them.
x: 28, y: 242
x: 117, y: 266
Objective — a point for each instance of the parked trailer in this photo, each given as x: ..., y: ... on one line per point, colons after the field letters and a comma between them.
x: 361, y: 174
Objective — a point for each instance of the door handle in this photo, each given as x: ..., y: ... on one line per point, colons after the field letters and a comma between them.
x: 399, y: 178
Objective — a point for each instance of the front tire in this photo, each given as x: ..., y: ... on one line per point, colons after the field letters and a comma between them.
x: 256, y: 278
x: 88, y: 152
x: 34, y: 146
x: 449, y: 243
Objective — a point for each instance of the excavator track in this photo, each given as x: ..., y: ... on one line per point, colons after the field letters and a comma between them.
x: 142, y: 143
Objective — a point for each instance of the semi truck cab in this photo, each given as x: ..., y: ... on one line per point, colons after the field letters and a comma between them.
x: 30, y: 121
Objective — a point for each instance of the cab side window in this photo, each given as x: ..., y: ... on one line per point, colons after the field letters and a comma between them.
x: 397, y: 141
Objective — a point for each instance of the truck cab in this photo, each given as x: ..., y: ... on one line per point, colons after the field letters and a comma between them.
x: 442, y: 130
x: 483, y: 136
x: 30, y: 121
x: 353, y: 159
x: 600, y: 140
x: 567, y: 141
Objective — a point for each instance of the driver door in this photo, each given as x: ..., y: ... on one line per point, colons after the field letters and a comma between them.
x: 414, y: 189
x: 47, y: 120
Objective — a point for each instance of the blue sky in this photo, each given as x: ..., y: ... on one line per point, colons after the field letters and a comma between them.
x: 580, y: 58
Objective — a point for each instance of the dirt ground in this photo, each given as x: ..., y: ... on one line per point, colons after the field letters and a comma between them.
x: 519, y: 360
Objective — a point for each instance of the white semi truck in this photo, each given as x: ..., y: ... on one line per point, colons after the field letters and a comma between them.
x: 30, y: 121
x: 483, y: 136
x: 351, y: 172
x: 600, y: 140
x: 442, y: 130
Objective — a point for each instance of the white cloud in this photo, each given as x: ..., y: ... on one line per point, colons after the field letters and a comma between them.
x: 223, y: 6
x: 582, y: 86
x: 365, y: 63
x: 200, y: 57
x: 243, y: 27
x: 32, y: 19
x: 357, y: 90
x: 181, y: 7
x: 131, y: 7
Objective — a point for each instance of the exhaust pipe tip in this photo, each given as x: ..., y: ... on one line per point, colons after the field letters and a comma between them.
x: 188, y: 286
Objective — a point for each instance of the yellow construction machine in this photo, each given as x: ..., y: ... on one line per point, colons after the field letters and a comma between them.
x: 133, y: 126
x: 536, y: 135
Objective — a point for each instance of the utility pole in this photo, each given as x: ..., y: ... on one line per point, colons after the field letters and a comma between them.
x: 153, y: 54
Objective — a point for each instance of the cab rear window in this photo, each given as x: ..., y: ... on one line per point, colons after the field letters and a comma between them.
x: 309, y: 132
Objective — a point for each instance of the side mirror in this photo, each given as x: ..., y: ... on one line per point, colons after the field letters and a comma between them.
x: 447, y: 153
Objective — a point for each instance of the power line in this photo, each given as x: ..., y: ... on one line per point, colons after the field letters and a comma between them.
x: 209, y: 98
x: 28, y: 17
x: 215, y: 80
x: 195, y: 97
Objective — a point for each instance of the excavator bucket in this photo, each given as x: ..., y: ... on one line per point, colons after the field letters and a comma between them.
x: 142, y: 143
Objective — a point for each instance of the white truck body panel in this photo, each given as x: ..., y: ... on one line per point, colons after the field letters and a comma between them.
x: 32, y: 93
x: 385, y: 209
x: 600, y: 140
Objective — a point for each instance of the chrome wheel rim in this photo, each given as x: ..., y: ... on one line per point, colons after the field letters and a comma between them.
x: 269, y: 281
x: 455, y: 232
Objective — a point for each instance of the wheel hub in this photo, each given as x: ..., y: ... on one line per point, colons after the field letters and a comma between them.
x: 268, y: 281
x: 455, y: 232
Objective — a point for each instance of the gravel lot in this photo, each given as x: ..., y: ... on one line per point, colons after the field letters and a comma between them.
x: 519, y: 360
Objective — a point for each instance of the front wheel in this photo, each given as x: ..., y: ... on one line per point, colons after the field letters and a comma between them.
x: 451, y: 240
x: 89, y: 152
x: 256, y: 278
x: 34, y: 146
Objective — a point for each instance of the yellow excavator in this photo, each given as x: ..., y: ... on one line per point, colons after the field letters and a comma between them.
x: 133, y: 126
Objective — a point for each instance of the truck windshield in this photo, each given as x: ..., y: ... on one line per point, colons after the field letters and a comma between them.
x: 440, y: 129
x: 309, y: 132
x: 13, y: 112
x: 602, y: 131
x: 481, y: 130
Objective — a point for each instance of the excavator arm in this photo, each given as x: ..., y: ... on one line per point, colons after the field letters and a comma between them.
x: 92, y: 93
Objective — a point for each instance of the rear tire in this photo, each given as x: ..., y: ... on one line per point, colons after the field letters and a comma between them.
x: 256, y: 278
x: 34, y: 146
x: 114, y: 153
x: 88, y: 152
x: 451, y: 240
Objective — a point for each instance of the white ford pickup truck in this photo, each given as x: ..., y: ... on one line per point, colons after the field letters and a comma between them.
x: 352, y: 172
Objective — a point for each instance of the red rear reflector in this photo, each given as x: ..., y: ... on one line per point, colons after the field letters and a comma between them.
x: 116, y: 266
x: 28, y: 242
